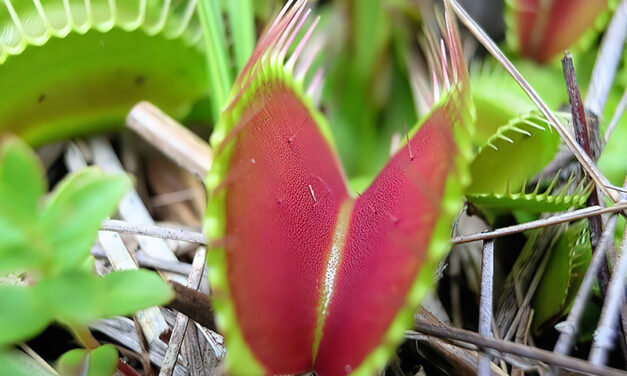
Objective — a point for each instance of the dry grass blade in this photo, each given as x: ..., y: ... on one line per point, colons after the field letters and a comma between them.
x: 131, y: 207
x: 182, y: 321
x: 587, y: 163
x: 151, y: 320
x: 485, y: 301
x: 605, y: 333
x: 177, y: 142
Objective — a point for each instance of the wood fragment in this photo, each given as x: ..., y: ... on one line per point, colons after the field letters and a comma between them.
x: 174, y: 140
x: 152, y: 322
x: 182, y: 322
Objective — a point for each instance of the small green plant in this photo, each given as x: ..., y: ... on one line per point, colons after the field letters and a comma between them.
x: 45, y: 242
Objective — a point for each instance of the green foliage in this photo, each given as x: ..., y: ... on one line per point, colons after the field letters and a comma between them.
x: 220, y: 75
x: 65, y: 72
x: 99, y: 362
x: 50, y: 238
x: 513, y: 155
x: 10, y: 364
x: 50, y: 234
x: 569, y: 259
x: 242, y: 23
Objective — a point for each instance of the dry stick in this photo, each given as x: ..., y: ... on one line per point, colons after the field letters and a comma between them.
x: 485, y: 301
x: 563, y: 361
x: 124, y: 227
x: 569, y: 327
x: 599, y: 179
x: 544, y: 222
x: 606, y: 331
x: 456, y: 359
x: 131, y: 207
x: 182, y: 321
x: 618, y: 114
x: 607, y: 61
x: 175, y: 141
x: 582, y: 135
x: 152, y: 321
x: 197, y: 237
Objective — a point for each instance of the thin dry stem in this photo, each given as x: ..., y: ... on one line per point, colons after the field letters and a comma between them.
x: 608, y: 323
x: 563, y: 361
x: 544, y: 222
x: 182, y: 321
x: 485, y: 301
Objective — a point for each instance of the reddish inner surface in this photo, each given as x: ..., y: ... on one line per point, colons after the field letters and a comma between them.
x: 546, y: 33
x: 277, y: 235
x: 386, y: 242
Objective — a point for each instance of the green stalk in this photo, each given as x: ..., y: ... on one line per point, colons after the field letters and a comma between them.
x: 242, y: 22
x: 83, y: 335
x: 220, y: 79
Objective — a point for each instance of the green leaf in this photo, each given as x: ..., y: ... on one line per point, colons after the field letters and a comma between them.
x: 101, y: 361
x: 19, y: 247
x: 22, y: 314
x: 516, y: 152
x: 566, y: 267
x: 132, y: 290
x: 220, y: 78
x: 10, y: 364
x: 74, y: 297
x: 242, y: 22
x: 75, y: 212
x: 21, y: 177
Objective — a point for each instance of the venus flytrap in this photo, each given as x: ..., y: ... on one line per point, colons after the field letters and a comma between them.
x: 285, y: 276
x: 48, y: 238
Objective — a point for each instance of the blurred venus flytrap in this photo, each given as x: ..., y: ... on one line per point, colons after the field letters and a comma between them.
x: 310, y: 277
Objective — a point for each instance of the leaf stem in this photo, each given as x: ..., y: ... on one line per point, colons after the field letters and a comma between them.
x: 83, y: 335
x: 220, y: 79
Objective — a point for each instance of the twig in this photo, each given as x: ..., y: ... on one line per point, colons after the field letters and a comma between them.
x: 544, y: 222
x: 174, y: 140
x: 607, y: 61
x: 569, y: 327
x: 152, y: 230
x: 152, y: 321
x: 606, y: 331
x: 456, y: 359
x: 131, y: 207
x: 563, y: 361
x: 182, y: 321
x: 583, y: 134
x: 485, y: 301
x: 618, y: 114
x: 586, y: 162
